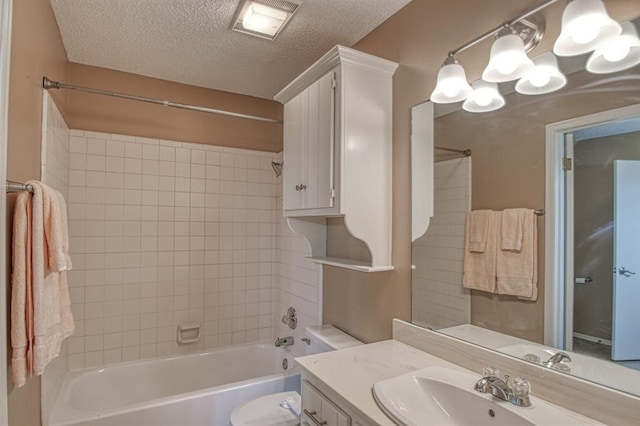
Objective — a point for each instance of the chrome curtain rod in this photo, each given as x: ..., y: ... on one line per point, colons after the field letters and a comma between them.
x: 501, y: 26
x: 49, y: 84
x: 17, y: 186
x: 465, y: 152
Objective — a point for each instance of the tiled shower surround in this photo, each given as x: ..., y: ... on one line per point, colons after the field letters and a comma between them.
x: 438, y: 298
x: 164, y: 233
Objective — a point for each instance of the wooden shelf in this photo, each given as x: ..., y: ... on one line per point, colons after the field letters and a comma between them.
x: 355, y: 265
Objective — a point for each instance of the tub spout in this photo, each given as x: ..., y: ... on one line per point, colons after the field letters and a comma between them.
x: 284, y: 341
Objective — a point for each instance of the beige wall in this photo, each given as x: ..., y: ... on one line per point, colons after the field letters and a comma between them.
x: 36, y: 49
x: 113, y: 115
x: 419, y: 37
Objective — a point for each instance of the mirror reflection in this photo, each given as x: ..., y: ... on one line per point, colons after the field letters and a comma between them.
x: 593, y: 331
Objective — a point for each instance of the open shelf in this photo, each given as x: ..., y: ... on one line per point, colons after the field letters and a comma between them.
x: 355, y: 265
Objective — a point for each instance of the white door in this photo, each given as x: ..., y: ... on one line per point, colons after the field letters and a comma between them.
x: 626, y: 261
x: 294, y: 138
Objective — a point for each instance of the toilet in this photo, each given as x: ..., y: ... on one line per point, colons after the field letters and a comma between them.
x: 269, y: 410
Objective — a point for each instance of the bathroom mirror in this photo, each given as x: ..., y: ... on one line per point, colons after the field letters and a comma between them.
x: 507, y: 169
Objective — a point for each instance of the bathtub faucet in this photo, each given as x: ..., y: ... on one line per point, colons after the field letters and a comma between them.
x: 284, y: 341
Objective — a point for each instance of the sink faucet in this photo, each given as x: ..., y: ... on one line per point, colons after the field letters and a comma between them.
x: 515, y: 390
x: 556, y: 359
x: 284, y: 341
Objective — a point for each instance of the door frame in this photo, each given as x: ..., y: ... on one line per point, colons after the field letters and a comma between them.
x: 6, y: 8
x: 559, y: 221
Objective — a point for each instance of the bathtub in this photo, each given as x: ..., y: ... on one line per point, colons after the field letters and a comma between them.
x: 190, y: 390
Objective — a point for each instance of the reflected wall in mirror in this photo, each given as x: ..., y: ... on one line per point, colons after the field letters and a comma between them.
x: 509, y: 171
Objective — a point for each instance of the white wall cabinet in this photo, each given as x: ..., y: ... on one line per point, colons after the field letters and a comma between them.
x: 338, y: 153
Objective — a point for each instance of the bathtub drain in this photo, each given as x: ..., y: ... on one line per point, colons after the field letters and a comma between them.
x: 285, y: 364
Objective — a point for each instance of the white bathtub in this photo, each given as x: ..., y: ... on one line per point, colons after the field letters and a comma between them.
x: 190, y: 390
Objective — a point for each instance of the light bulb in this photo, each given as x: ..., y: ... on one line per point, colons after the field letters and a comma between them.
x: 539, y: 78
x: 255, y: 20
x: 452, y: 83
x: 616, y: 52
x: 483, y: 97
x: 585, y: 31
x: 545, y: 77
x: 585, y: 26
x: 506, y: 67
x: 619, y: 54
x: 450, y: 89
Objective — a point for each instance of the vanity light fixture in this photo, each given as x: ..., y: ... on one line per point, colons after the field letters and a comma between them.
x: 508, y: 56
x: 620, y: 54
x: 485, y: 97
x: 264, y: 18
x: 585, y: 25
x: 545, y: 77
x: 508, y: 60
x: 452, y: 85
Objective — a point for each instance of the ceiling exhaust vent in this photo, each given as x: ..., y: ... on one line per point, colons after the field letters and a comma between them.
x: 264, y: 18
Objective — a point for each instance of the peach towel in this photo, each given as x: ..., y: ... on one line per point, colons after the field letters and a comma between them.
x: 41, y: 260
x: 479, y: 269
x: 478, y: 230
x: 517, y: 272
x: 21, y: 293
x: 511, y: 229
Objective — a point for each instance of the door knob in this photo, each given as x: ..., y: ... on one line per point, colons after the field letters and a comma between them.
x: 624, y: 272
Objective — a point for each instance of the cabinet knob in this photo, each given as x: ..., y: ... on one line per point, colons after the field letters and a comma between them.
x: 301, y: 187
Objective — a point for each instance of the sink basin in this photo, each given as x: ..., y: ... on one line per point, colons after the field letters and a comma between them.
x: 602, y: 371
x: 443, y: 396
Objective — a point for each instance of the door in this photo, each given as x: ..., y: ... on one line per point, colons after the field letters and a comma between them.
x: 309, y: 134
x: 626, y: 261
x: 294, y: 137
x: 318, y: 193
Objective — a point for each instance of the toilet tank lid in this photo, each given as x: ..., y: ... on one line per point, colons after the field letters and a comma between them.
x: 330, y: 336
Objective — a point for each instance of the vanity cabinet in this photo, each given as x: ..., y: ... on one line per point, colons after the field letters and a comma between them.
x: 317, y: 409
x: 338, y: 151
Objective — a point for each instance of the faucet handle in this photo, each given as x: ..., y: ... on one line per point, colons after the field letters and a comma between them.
x: 519, y: 387
x: 490, y: 372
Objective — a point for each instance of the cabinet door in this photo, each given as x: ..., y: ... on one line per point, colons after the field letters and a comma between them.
x: 319, y: 410
x: 294, y: 140
x: 309, y: 136
x: 320, y: 143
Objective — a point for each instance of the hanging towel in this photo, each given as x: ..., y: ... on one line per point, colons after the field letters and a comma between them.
x: 21, y: 292
x: 478, y: 230
x: 52, y: 318
x: 40, y: 305
x: 479, y: 270
x: 56, y: 230
x: 511, y: 229
x: 517, y: 272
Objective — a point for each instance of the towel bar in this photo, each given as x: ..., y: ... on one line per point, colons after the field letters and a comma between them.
x: 17, y: 186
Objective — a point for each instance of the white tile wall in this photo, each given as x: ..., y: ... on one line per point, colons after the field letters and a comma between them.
x: 162, y: 233
x: 54, y: 172
x: 298, y: 281
x: 438, y: 298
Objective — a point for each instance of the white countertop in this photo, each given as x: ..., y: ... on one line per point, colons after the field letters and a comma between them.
x: 352, y: 372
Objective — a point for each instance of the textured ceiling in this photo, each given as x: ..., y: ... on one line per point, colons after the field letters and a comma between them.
x: 190, y: 41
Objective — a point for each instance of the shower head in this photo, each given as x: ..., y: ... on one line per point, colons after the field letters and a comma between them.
x: 277, y: 167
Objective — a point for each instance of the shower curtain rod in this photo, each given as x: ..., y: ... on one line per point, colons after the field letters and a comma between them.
x: 50, y: 84
x: 465, y: 152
